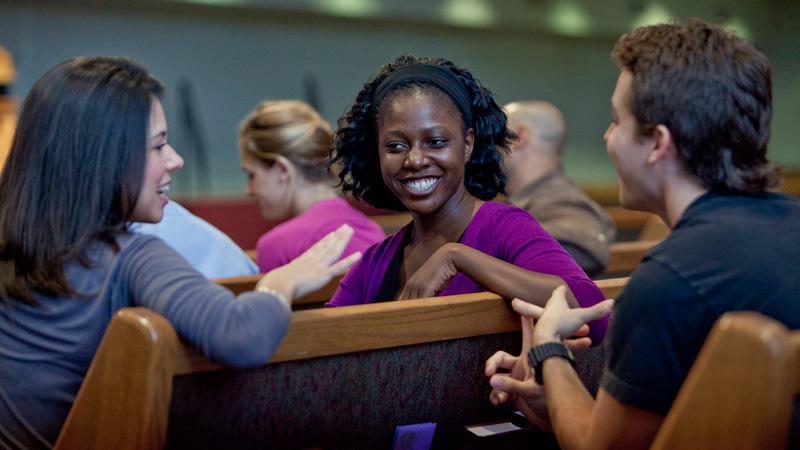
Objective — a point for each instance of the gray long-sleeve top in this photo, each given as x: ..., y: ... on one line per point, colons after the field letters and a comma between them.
x: 45, y: 350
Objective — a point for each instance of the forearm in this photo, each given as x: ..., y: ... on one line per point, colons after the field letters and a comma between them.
x: 505, y: 278
x: 568, y: 402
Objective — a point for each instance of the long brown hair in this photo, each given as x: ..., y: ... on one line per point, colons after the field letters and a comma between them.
x: 74, y: 170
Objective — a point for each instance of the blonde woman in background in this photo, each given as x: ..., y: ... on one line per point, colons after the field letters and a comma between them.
x: 284, y: 148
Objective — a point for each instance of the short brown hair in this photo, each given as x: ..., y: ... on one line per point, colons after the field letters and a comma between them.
x: 712, y: 90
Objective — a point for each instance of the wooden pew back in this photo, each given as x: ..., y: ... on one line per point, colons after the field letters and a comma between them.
x: 247, y: 283
x: 124, y: 400
x: 740, y: 390
x: 341, y: 378
x: 611, y: 287
x: 626, y: 256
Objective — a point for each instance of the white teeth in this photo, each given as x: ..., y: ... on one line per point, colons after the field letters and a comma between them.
x: 421, y: 185
x: 165, y: 188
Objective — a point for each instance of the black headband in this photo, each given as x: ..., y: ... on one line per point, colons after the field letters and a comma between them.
x: 439, y: 76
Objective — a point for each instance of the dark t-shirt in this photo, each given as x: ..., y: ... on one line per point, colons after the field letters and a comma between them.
x: 726, y: 253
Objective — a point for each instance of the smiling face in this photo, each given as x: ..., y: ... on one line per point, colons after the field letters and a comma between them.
x: 423, y: 150
x: 162, y: 161
x: 629, y: 150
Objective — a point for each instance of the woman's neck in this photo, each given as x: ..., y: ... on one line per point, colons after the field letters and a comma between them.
x: 307, y: 194
x: 448, y: 223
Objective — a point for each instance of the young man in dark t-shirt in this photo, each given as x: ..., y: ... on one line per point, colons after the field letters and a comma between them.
x: 691, y: 114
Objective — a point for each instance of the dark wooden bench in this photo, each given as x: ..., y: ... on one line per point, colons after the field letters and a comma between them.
x: 341, y: 378
x: 315, y: 299
x: 611, y: 287
x: 626, y: 256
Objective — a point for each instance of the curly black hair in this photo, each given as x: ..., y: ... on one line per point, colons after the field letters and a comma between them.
x: 354, y: 151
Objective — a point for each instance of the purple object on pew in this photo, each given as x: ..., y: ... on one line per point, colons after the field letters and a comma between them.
x: 414, y: 437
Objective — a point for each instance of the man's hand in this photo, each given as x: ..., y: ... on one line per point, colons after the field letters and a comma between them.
x: 518, y: 385
x: 557, y: 321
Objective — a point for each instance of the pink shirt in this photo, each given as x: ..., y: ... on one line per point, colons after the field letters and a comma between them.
x: 290, y: 239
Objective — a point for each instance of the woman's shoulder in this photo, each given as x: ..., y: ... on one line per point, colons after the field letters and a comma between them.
x: 336, y: 205
x: 133, y: 242
x: 497, y: 225
x: 135, y: 248
x: 500, y: 213
x: 328, y: 215
x: 385, y: 247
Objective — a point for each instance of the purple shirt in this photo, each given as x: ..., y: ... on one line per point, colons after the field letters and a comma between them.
x: 505, y: 232
x: 290, y: 239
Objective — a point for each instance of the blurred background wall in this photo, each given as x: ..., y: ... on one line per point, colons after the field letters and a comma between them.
x: 219, y: 58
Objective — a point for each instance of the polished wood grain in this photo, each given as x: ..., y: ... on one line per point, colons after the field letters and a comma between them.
x: 247, y: 283
x: 626, y: 256
x: 740, y: 390
x: 123, y: 402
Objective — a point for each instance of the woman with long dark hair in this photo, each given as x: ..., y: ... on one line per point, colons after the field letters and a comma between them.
x: 90, y: 155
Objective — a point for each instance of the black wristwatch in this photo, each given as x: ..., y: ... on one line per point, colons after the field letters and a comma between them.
x: 538, y: 354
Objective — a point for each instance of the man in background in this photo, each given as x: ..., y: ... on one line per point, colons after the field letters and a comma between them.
x: 537, y: 183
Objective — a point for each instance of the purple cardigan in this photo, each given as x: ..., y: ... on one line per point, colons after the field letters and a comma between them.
x: 499, y: 230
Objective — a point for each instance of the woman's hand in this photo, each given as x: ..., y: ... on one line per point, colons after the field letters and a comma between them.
x: 433, y: 276
x: 314, y: 268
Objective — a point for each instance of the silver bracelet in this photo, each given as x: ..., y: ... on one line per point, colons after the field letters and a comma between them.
x: 284, y: 302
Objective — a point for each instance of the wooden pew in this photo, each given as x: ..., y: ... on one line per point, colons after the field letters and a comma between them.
x: 247, y: 283
x: 629, y: 223
x: 741, y: 389
x: 611, y: 288
x: 654, y: 229
x: 341, y: 378
x: 626, y: 256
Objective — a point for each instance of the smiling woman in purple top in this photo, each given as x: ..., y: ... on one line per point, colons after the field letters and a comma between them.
x: 426, y: 137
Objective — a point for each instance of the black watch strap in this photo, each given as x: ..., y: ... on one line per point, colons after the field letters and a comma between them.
x: 538, y: 354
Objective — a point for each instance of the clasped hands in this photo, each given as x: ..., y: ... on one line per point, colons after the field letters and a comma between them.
x: 555, y: 322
